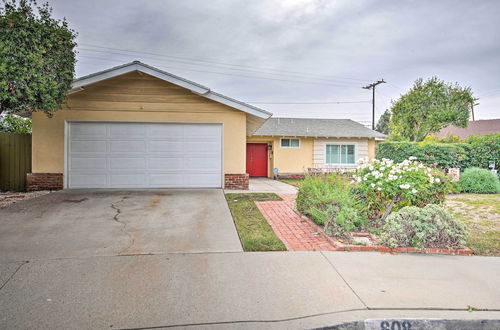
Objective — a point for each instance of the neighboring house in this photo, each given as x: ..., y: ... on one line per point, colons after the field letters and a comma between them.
x: 478, y: 127
x: 135, y: 126
x: 296, y: 145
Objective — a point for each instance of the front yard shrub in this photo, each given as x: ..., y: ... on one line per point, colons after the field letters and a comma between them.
x: 485, y: 150
x: 388, y: 186
x: 479, y: 181
x: 428, y: 227
x: 476, y: 151
x: 330, y: 201
x: 442, y: 155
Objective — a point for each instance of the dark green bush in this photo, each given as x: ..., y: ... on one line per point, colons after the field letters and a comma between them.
x: 442, y: 155
x: 428, y: 227
x: 479, y: 181
x: 484, y: 150
x: 331, y: 202
x: 476, y: 151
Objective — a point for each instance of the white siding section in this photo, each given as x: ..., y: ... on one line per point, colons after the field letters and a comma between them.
x: 320, y: 147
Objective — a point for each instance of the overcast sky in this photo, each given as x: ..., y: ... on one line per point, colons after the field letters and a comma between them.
x: 299, y: 51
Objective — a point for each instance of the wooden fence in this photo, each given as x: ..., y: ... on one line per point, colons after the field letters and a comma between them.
x: 15, y: 160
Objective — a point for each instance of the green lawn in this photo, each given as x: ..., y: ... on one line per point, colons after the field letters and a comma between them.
x: 254, y: 231
x: 481, y: 214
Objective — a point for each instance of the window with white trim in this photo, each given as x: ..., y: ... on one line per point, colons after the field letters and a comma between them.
x: 340, y: 154
x: 290, y: 143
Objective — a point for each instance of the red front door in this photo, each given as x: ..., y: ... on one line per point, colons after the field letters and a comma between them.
x: 257, y: 159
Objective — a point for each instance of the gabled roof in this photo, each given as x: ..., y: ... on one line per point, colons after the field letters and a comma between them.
x: 478, y: 127
x: 201, y: 90
x: 309, y: 127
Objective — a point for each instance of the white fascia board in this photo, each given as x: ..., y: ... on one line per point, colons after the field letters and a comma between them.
x: 141, y: 68
x: 237, y: 105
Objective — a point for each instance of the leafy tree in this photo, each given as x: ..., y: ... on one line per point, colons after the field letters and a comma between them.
x: 37, y: 58
x: 383, y: 124
x: 430, y: 106
x: 15, y: 124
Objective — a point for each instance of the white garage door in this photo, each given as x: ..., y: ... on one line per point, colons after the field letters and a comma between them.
x: 144, y: 155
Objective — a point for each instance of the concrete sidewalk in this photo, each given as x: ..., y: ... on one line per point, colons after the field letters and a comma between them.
x: 244, y: 290
x: 266, y: 185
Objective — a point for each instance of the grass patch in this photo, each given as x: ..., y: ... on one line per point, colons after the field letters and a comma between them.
x: 255, y: 232
x: 293, y: 182
x: 481, y: 215
x: 485, y: 243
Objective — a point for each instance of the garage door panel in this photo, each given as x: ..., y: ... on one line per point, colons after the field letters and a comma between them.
x: 204, y: 147
x: 165, y: 163
x: 127, y: 146
x: 127, y: 163
x: 88, y: 163
x: 87, y: 146
x: 200, y: 164
x: 205, y: 179
x: 141, y: 155
x: 89, y: 180
x: 127, y: 130
x: 88, y: 130
x: 166, y: 146
x: 163, y: 131
x: 130, y: 180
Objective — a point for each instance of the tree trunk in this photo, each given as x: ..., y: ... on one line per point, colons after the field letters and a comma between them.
x: 388, y: 209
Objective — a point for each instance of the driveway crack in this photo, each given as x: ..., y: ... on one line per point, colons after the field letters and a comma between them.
x: 123, y: 228
x: 13, y: 274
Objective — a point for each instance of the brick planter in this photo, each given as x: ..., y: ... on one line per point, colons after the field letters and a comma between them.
x: 44, y: 181
x: 236, y: 181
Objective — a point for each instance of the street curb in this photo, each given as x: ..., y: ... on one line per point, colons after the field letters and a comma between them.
x: 416, y: 324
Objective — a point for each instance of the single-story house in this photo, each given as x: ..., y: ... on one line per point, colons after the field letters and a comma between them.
x: 477, y: 127
x: 296, y: 145
x: 135, y: 126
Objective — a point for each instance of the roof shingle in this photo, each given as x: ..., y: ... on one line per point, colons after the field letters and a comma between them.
x: 339, y: 128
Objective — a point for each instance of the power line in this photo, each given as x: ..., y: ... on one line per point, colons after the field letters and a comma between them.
x: 232, y: 74
x: 244, y: 70
x: 223, y: 63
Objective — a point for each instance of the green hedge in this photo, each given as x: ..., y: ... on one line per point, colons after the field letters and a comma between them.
x: 475, y: 152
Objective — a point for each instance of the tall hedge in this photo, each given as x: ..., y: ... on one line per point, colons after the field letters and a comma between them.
x: 486, y: 149
x: 443, y: 155
x: 477, y: 151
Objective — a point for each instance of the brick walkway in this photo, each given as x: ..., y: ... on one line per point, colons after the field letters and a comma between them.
x: 296, y: 231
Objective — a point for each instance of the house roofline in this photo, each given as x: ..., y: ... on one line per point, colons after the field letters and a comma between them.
x: 80, y: 83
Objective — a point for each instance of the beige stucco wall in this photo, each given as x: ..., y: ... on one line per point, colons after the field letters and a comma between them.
x: 142, y: 98
x: 372, y: 146
x: 287, y: 160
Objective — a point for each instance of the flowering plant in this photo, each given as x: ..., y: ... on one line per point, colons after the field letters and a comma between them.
x: 389, y: 186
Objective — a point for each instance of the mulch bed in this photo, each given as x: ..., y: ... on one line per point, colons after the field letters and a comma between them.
x: 10, y: 197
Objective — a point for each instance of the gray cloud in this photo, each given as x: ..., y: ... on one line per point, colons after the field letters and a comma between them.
x: 399, y: 41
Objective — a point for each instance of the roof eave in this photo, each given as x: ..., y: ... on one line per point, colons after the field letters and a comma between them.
x: 137, y: 66
x: 78, y: 85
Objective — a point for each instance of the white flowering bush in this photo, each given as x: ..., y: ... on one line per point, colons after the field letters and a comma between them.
x: 388, y: 186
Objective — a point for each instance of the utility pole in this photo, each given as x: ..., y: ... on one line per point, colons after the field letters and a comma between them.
x: 372, y: 87
x: 472, y: 108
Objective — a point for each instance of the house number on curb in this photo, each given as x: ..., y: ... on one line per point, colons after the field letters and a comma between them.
x: 395, y: 325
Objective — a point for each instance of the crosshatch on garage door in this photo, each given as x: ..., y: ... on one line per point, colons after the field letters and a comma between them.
x: 144, y: 155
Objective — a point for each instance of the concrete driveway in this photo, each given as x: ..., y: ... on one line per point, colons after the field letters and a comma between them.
x: 83, y: 223
x: 81, y: 260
